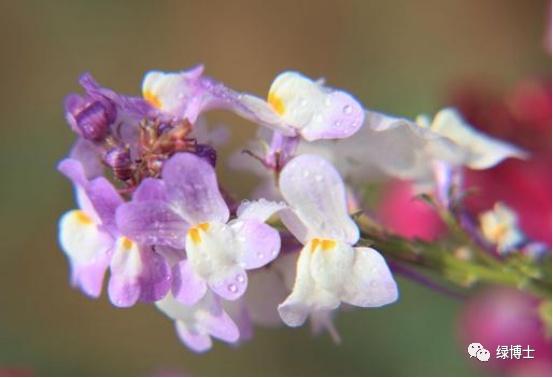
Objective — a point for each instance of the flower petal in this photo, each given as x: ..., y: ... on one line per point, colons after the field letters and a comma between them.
x: 197, y: 341
x: 137, y: 274
x: 197, y: 322
x: 306, y: 297
x: 89, y: 278
x: 156, y: 278
x: 74, y: 171
x: 86, y: 153
x: 260, y: 112
x: 188, y: 288
x: 230, y: 283
x: 214, y: 252
x: 316, y: 111
x: 485, y: 150
x: 105, y: 199
x: 260, y: 210
x: 152, y: 222
x: 81, y: 239
x: 150, y: 189
x: 126, y: 268
x: 222, y: 327
x: 260, y: 243
x: 315, y: 190
x: 370, y: 283
x: 88, y: 249
x: 192, y: 188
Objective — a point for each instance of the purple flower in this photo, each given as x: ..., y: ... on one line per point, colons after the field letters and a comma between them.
x: 92, y: 241
x: 189, y: 212
x: 86, y: 235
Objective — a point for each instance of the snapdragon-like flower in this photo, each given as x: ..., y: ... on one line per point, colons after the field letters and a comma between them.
x: 500, y: 227
x: 86, y: 235
x: 295, y: 106
x: 92, y: 241
x: 329, y: 269
x: 189, y: 212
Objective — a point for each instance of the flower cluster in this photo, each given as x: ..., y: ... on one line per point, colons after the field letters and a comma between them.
x: 153, y: 213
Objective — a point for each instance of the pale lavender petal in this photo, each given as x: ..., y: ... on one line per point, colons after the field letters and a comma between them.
x: 150, y: 189
x: 152, y: 223
x: 260, y: 243
x: 105, y: 199
x: 192, y: 188
x: 87, y: 154
x: 222, y: 327
x: 90, y: 277
x: 238, y: 312
x: 74, y: 171
x: 198, y: 342
x: 123, y: 292
x: 230, y: 284
x: 188, y: 288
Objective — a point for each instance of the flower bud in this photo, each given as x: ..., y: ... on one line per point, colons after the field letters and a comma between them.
x: 91, y: 118
x: 119, y: 160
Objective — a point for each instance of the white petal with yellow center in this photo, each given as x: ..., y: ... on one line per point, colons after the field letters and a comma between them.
x: 164, y: 91
x: 211, y: 248
x: 330, y: 272
x: 80, y: 237
x: 126, y: 258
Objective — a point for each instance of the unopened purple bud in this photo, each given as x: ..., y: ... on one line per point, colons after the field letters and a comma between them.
x: 93, y: 120
x: 119, y: 160
x: 206, y: 152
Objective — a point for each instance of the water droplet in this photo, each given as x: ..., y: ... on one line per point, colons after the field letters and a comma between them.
x: 232, y: 288
x: 338, y: 124
x: 347, y: 109
x: 318, y: 178
x: 260, y: 255
x: 240, y: 278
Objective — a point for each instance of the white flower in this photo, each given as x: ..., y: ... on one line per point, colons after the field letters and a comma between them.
x: 500, y: 227
x: 329, y: 269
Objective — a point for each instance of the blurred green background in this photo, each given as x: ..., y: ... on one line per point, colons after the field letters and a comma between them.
x: 397, y: 56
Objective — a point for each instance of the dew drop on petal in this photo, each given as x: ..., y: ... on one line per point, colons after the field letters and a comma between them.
x: 260, y: 255
x: 232, y: 288
x: 240, y: 278
x: 347, y: 109
x: 318, y: 178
